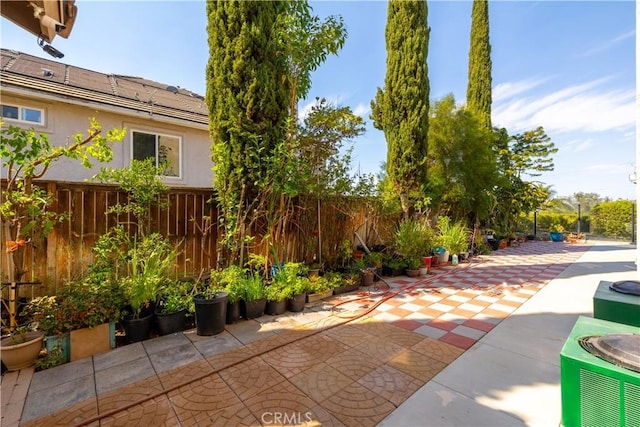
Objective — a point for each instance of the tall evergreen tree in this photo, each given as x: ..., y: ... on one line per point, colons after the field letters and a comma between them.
x: 247, y: 97
x: 479, y: 84
x: 401, y: 109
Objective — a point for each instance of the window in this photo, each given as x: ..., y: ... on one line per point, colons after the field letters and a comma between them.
x: 23, y: 114
x: 165, y: 149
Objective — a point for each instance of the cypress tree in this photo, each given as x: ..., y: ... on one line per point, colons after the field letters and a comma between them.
x: 247, y: 100
x: 479, y: 84
x: 401, y: 109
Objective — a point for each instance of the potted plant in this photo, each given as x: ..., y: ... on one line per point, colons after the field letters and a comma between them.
x: 413, y: 266
x: 556, y: 233
x: 210, y: 304
x: 25, y: 209
x: 282, y: 287
x: 151, y: 263
x: 50, y: 318
x: 395, y: 267
x: 321, y: 287
x: 254, y: 301
x: 299, y: 289
x: 233, y: 280
x: 346, y: 282
x: 172, y: 307
x: 21, y: 349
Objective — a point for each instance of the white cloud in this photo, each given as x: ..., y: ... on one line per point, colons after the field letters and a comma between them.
x: 607, y: 44
x: 578, y: 145
x: 617, y: 168
x: 583, y: 107
x: 362, y: 110
x: 304, y: 110
x: 507, y: 90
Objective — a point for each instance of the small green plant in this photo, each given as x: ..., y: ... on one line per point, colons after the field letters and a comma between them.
x: 556, y: 228
x: 454, y: 237
x: 175, y: 296
x: 413, y: 237
x: 232, y: 279
x: 412, y: 263
x: 374, y: 259
x: 290, y: 280
x: 320, y: 284
x: 48, y: 314
x: 151, y: 262
x: 54, y: 358
x: 345, y: 252
x: 253, y: 287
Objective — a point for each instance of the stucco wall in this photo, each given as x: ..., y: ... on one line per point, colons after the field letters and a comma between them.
x: 62, y: 120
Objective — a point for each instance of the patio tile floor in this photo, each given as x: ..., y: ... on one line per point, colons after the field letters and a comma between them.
x: 321, y: 364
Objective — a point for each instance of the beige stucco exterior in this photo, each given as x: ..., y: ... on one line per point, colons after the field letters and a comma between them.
x: 64, y: 119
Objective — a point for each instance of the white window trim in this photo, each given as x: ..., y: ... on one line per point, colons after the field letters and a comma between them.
x: 20, y: 109
x: 180, y: 176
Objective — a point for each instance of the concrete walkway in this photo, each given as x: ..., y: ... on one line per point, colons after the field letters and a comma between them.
x: 511, y: 377
x: 473, y: 345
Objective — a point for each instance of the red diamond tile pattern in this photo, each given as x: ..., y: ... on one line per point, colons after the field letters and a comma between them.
x: 347, y: 375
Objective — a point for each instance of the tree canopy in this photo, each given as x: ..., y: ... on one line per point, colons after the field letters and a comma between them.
x: 479, y: 84
x: 401, y: 108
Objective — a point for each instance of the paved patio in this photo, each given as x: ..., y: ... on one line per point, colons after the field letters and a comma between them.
x: 395, y: 354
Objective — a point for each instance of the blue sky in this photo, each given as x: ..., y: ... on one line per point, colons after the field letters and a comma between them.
x: 567, y: 66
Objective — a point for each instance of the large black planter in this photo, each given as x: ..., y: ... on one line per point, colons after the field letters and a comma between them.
x: 137, y: 329
x: 495, y: 244
x: 169, y: 323
x: 253, y: 309
x: 276, y: 307
x: 233, y: 312
x: 297, y: 302
x: 211, y: 314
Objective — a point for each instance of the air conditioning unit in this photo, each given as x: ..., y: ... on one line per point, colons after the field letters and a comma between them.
x: 594, y: 391
x: 614, y: 306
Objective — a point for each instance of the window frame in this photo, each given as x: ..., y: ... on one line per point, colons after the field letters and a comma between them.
x: 157, y: 136
x: 21, y: 108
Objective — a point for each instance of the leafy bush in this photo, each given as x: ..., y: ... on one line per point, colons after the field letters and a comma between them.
x: 329, y: 281
x: 453, y: 237
x: 414, y: 237
x: 612, y: 219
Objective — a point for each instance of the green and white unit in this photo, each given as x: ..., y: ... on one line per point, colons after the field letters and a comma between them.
x: 615, y: 306
x: 596, y: 392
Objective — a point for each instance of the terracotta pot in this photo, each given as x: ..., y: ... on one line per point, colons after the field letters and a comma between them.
x: 413, y: 272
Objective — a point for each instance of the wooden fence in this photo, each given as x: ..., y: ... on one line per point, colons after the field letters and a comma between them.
x: 67, y: 251
x: 189, y: 221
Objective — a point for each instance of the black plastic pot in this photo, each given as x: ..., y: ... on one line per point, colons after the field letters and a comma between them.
x: 233, y: 312
x: 276, y: 307
x: 297, y: 302
x: 366, y: 278
x: 211, y: 314
x: 170, y: 323
x: 137, y: 329
x: 253, y: 309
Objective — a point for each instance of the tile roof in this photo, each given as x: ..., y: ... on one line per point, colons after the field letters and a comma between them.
x: 29, y: 72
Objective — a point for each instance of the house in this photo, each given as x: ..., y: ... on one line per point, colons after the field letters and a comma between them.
x: 166, y: 122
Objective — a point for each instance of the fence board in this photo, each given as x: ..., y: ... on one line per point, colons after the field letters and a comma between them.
x: 67, y: 251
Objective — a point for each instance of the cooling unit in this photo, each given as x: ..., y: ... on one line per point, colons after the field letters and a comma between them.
x: 597, y: 392
x: 618, y: 302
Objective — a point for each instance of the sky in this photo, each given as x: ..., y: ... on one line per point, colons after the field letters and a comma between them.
x: 569, y: 67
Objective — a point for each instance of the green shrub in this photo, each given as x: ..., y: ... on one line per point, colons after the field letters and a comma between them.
x: 612, y: 219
